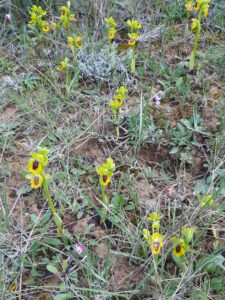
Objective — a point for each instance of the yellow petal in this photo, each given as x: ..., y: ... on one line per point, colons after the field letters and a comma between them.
x: 35, y: 166
x: 178, y: 251
x: 36, y: 181
x: 189, y: 5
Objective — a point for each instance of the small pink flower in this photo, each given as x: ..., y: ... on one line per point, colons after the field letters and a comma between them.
x: 79, y: 248
x: 157, y: 99
x: 8, y: 17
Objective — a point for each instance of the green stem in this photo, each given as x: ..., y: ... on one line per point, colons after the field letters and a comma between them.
x: 133, y: 60
x: 76, y: 70
x: 196, y: 40
x: 48, y: 196
x: 155, y: 262
x: 117, y: 131
x: 110, y: 45
x: 103, y: 195
x: 116, y: 122
x: 67, y: 82
x: 56, y: 218
x: 69, y: 30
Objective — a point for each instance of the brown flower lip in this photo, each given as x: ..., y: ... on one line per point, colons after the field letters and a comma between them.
x: 36, y: 180
x: 104, y: 178
x: 35, y: 164
x: 178, y: 248
x: 156, y: 245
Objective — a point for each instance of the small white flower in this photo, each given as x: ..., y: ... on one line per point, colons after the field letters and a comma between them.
x: 157, y: 99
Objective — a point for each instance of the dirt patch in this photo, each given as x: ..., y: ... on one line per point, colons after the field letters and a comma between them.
x: 122, y: 272
x: 153, y: 154
x: 91, y: 152
x: 8, y: 114
x: 211, y: 120
x: 145, y: 192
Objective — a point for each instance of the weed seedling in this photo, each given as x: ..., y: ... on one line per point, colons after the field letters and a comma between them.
x: 202, y: 7
x: 38, y: 178
x: 133, y: 38
x: 115, y: 106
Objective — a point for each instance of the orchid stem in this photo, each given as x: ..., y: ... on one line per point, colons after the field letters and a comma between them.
x: 67, y: 82
x: 157, y: 273
x: 133, y: 60
x: 51, y: 206
x: 103, y: 195
x: 194, y: 52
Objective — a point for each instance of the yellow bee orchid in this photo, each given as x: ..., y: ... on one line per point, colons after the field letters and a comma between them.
x: 110, y: 22
x: 74, y: 42
x: 38, y: 10
x: 205, y: 10
x: 63, y: 65
x: 36, y: 180
x: 133, y: 24
x: 189, y: 5
x: 44, y: 25
x: 35, y: 166
x: 111, y: 33
x: 41, y: 155
x: 195, y: 25
x: 180, y: 247
x: 122, y: 90
x: 105, y: 172
x: 153, y: 216
x: 66, y: 15
x: 155, y: 241
x: 133, y: 38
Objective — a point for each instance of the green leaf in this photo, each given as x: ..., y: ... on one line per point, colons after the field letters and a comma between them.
x: 34, y: 248
x: 179, y: 82
x: 211, y: 263
x: 35, y: 273
x: 34, y: 219
x: 88, y: 228
x: 52, y: 241
x: 219, y: 260
x: 187, y: 234
x: 198, y: 295
x: 46, y: 217
x: 52, y: 269
x: 175, y: 240
x: 129, y: 207
x: 58, y: 220
x: 217, y: 284
x: 65, y: 265
x: 174, y: 150
x: 63, y: 297
x: 192, y: 62
x: 80, y: 214
x: 179, y: 261
x: 117, y: 200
